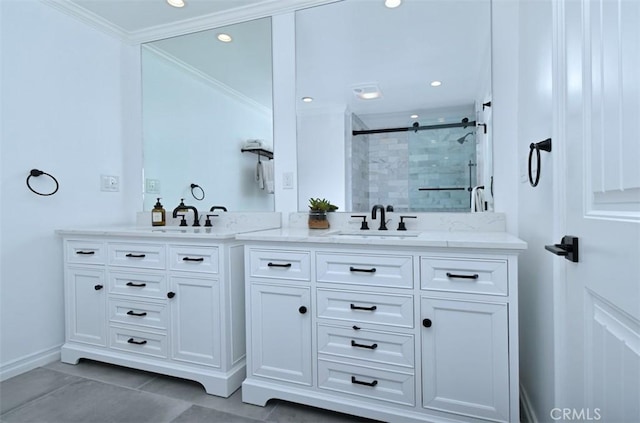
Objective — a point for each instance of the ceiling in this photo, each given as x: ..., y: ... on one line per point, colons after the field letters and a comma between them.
x: 137, y: 21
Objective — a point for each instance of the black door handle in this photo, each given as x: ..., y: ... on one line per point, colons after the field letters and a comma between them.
x: 568, y: 248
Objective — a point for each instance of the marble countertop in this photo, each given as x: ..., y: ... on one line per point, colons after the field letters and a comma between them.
x: 153, y: 232
x: 446, y: 239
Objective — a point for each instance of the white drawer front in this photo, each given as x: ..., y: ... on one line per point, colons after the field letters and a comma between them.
x: 138, y: 284
x: 367, y: 382
x: 280, y: 264
x: 362, y: 344
x: 194, y: 259
x: 392, y: 310
x: 86, y: 252
x: 365, y: 269
x: 149, y: 315
x: 462, y: 275
x: 138, y: 341
x: 148, y: 256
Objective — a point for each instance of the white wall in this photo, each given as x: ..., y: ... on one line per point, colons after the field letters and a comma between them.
x: 70, y: 99
x: 536, y: 207
x: 321, y: 151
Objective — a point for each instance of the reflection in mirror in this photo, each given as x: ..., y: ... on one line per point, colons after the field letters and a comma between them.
x: 414, y: 145
x: 203, y: 101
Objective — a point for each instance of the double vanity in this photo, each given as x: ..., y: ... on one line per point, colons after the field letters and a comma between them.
x: 416, y: 325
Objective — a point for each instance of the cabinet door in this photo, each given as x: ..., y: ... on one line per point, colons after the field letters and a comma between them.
x: 195, y: 320
x: 86, y: 306
x: 465, y: 358
x: 280, y: 318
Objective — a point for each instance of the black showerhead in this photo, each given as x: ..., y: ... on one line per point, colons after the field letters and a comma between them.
x: 461, y: 140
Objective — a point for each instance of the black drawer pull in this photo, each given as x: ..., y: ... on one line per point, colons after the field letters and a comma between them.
x: 302, y: 310
x: 427, y: 323
x: 355, y: 307
x: 278, y: 264
x: 453, y: 275
x: 85, y: 253
x: 371, y: 347
x: 359, y: 382
x: 131, y: 255
x: 133, y: 313
x: 192, y: 259
x: 98, y: 287
x: 133, y: 341
x: 138, y: 285
x: 171, y: 294
x: 355, y: 269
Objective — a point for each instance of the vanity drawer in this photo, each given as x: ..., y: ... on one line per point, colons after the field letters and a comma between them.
x: 392, y: 310
x: 149, y: 315
x: 137, y: 341
x: 365, y: 269
x: 86, y: 252
x: 148, y: 256
x: 381, y: 385
x: 148, y: 285
x: 194, y: 259
x: 464, y: 275
x: 363, y: 344
x: 280, y: 264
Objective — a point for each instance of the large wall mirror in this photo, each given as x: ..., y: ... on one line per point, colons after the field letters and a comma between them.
x: 393, y: 104
x: 205, y: 97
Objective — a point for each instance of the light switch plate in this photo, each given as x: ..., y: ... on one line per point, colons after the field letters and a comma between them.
x: 287, y: 180
x: 109, y: 183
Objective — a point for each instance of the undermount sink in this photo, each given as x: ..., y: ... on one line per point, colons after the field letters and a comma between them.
x: 377, y: 234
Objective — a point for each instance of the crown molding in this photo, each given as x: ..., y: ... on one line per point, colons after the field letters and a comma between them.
x: 212, y: 82
x: 186, y: 26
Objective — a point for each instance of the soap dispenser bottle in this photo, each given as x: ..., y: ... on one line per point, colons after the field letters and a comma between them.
x: 158, y: 215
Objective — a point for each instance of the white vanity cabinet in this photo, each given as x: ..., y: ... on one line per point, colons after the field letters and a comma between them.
x: 169, y: 305
x: 390, y: 333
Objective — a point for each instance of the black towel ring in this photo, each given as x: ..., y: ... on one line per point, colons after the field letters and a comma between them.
x: 36, y: 173
x: 196, y: 186
x: 544, y: 146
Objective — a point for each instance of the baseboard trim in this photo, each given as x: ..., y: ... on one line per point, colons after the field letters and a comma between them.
x: 528, y: 415
x: 29, y: 362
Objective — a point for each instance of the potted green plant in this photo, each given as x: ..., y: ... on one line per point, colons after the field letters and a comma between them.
x: 318, y: 209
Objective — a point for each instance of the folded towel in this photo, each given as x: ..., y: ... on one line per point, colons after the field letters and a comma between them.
x: 249, y: 144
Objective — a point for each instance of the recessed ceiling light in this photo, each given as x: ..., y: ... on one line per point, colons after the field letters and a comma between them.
x: 414, y: 116
x: 176, y: 3
x: 307, y: 99
x: 392, y: 3
x: 225, y: 38
x: 436, y: 83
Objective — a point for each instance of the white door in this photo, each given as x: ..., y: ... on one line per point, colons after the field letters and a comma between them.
x: 598, y: 147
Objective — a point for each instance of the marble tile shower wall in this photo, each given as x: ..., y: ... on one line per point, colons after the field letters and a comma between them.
x: 436, y: 159
x: 400, y: 163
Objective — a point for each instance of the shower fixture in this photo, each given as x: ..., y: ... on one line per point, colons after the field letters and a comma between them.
x: 461, y: 140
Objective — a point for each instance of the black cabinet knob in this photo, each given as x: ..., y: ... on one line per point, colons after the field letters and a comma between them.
x: 171, y: 294
x: 302, y: 309
x: 98, y: 287
x: 426, y: 323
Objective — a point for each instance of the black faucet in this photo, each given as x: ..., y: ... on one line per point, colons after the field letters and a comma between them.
x: 183, y: 207
x: 383, y: 223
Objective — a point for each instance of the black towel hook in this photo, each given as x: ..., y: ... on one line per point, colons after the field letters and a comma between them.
x: 544, y: 145
x: 36, y: 173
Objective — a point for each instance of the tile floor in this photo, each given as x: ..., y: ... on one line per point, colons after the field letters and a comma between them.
x: 93, y: 392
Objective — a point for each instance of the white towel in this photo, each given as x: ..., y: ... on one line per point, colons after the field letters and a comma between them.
x: 253, y: 144
x: 267, y: 174
x: 477, y: 200
x: 260, y: 175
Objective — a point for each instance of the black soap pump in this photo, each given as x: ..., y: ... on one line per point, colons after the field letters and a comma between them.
x: 158, y: 215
